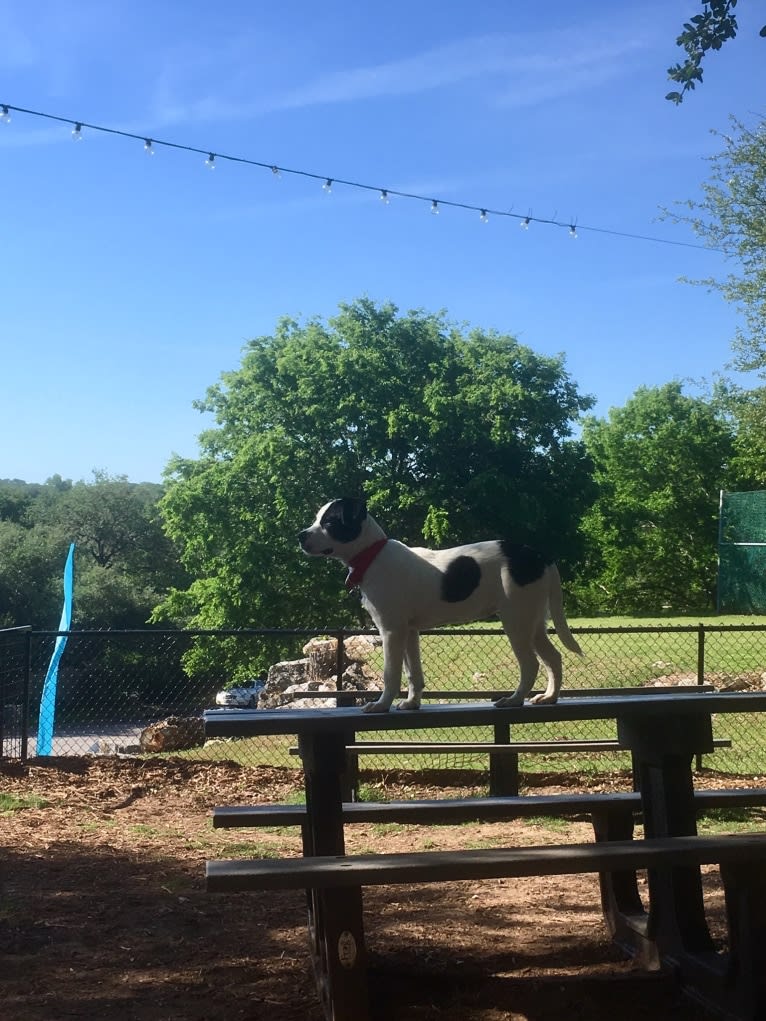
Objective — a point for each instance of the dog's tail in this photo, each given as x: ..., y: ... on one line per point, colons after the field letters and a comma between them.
x: 556, y: 607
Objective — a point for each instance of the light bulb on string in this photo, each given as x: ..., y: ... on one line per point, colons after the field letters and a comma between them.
x: 5, y: 114
x: 327, y: 186
x: 77, y: 132
x: 525, y: 223
x: 434, y: 207
x: 210, y: 161
x: 275, y: 171
x: 384, y: 197
x: 572, y: 231
x: 148, y: 147
x: 484, y: 216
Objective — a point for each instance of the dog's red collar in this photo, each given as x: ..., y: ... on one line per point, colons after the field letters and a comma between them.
x: 357, y: 566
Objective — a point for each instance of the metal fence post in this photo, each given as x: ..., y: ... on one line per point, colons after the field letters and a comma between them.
x: 700, y: 653
x: 700, y: 670
x: 25, y: 696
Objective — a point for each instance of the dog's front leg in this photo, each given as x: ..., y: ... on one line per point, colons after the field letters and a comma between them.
x: 393, y: 658
x: 414, y: 669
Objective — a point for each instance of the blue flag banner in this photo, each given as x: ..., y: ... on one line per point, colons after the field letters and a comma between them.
x: 48, y: 699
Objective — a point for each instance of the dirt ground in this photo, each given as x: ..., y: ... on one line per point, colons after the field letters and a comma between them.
x: 103, y: 911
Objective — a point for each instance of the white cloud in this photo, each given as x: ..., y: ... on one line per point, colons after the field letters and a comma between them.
x: 504, y: 69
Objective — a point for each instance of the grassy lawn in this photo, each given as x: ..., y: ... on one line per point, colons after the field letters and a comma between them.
x: 484, y: 661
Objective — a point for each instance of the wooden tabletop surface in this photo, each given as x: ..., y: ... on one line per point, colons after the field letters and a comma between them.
x: 286, y: 720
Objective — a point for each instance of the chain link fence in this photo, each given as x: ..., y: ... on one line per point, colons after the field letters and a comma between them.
x: 15, y: 645
x: 142, y: 692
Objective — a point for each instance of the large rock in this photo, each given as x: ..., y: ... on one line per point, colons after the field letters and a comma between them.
x: 322, y: 657
x: 322, y: 654
x: 173, y: 734
x: 280, y: 677
x: 318, y: 672
x: 361, y: 677
x: 359, y: 648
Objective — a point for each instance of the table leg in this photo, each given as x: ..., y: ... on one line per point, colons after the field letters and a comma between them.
x: 336, y: 925
x: 503, y: 768
x: 663, y: 749
x: 745, y: 980
x: 624, y: 913
x: 677, y: 912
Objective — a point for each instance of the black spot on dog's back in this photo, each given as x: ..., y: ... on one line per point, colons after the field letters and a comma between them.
x: 461, y: 578
x: 524, y: 563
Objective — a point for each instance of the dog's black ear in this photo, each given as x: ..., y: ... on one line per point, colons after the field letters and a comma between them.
x: 343, y: 519
x: 353, y: 510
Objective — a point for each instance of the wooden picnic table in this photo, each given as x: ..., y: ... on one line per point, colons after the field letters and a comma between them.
x: 663, y: 732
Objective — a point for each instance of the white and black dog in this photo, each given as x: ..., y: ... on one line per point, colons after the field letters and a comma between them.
x: 407, y: 590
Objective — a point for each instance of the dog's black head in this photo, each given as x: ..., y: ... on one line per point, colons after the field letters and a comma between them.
x: 338, y: 523
x: 343, y: 519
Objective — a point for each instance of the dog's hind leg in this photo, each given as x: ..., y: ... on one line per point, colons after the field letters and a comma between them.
x: 414, y: 668
x: 393, y: 658
x: 551, y: 659
x: 528, y: 665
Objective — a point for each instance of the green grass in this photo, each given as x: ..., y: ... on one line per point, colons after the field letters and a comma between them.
x: 732, y: 820
x: 254, y: 849
x: 452, y: 662
x: 556, y: 823
x: 383, y: 829
x: 10, y: 803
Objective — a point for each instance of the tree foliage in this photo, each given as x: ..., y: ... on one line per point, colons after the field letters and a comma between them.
x: 709, y: 30
x: 123, y: 561
x: 451, y: 435
x: 660, y: 462
x: 731, y: 217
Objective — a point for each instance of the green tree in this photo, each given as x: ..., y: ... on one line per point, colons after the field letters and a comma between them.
x: 709, y: 30
x: 451, y: 435
x: 16, y: 499
x: 31, y: 563
x: 124, y: 563
x: 660, y: 462
x: 731, y: 217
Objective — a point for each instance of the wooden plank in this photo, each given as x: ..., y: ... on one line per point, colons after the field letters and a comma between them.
x: 511, y: 747
x: 459, y: 810
x: 483, y: 863
x: 258, y: 815
x: 445, y: 810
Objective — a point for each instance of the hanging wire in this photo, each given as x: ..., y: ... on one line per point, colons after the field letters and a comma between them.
x: 213, y: 159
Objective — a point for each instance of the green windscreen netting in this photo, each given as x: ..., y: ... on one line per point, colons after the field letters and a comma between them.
x: 742, y: 553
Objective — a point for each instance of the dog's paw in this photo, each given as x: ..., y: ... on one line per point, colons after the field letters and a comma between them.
x: 409, y: 703
x: 509, y: 702
x: 375, y: 707
x: 543, y: 699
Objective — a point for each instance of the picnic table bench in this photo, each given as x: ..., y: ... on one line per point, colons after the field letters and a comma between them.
x: 447, y: 811
x: 663, y: 733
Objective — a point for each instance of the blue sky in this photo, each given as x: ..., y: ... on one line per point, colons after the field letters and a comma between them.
x: 129, y: 283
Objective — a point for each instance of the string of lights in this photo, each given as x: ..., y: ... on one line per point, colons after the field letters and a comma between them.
x: 328, y: 183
